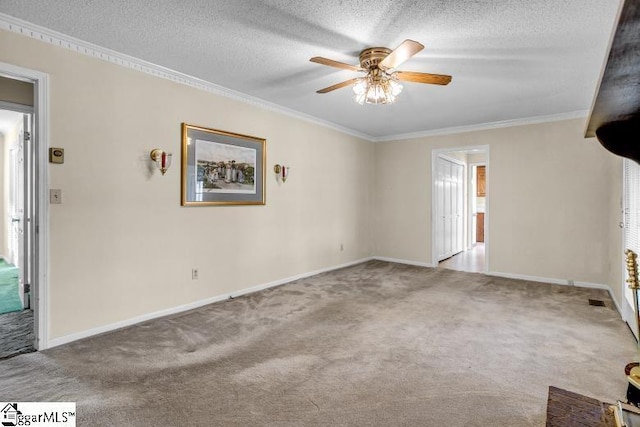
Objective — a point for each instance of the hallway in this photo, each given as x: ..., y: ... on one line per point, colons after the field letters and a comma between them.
x: 471, y: 260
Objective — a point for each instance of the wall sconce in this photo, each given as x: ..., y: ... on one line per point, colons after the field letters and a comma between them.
x: 162, y: 159
x: 282, y: 172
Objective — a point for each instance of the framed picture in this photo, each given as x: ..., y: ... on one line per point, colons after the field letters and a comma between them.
x: 221, y: 168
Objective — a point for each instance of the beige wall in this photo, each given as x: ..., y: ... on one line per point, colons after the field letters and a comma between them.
x: 121, y: 244
x: 550, y: 194
x: 16, y: 91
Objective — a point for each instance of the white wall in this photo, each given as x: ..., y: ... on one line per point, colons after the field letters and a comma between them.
x: 550, y: 193
x: 121, y: 244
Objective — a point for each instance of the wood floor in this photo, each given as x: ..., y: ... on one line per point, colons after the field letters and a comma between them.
x: 471, y: 260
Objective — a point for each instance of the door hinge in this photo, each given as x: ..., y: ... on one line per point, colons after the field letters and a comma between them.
x: 27, y: 288
x: 27, y: 136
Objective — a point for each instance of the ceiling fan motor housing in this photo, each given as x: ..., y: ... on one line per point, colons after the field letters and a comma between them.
x: 369, y: 58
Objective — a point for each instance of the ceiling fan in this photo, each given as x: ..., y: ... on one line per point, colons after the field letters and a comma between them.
x: 381, y: 84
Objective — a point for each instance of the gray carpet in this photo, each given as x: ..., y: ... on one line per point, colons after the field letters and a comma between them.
x: 16, y: 333
x: 377, y: 344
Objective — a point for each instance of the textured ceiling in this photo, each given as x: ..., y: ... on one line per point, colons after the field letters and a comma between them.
x: 510, y: 60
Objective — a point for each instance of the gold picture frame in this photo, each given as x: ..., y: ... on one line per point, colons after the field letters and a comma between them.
x: 221, y: 168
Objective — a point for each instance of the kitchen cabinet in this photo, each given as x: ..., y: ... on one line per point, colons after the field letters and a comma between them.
x: 480, y: 227
x: 481, y: 181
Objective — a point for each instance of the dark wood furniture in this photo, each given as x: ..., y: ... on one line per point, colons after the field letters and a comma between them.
x: 568, y: 409
x: 480, y: 227
x: 615, y: 113
x: 481, y: 180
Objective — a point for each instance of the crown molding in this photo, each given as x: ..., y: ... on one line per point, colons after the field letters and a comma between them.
x: 28, y: 29
x: 485, y: 126
x: 55, y: 38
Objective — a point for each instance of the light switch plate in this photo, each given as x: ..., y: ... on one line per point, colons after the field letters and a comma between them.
x: 55, y: 197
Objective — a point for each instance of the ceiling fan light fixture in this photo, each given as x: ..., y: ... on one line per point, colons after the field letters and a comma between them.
x: 377, y: 88
x: 381, y: 84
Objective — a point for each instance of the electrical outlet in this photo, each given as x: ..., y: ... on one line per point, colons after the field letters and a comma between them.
x: 194, y: 274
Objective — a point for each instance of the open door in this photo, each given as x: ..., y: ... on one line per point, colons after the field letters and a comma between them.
x: 21, y: 207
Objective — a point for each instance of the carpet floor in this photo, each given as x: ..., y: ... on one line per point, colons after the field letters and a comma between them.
x: 376, y: 344
x: 16, y: 333
x: 9, y: 288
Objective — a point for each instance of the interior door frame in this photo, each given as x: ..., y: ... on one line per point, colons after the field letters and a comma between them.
x: 435, y: 152
x: 40, y: 237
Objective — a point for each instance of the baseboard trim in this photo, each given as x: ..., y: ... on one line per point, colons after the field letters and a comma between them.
x: 529, y: 278
x: 606, y: 288
x: 560, y: 282
x: 519, y: 277
x: 200, y: 303
x: 190, y: 306
x: 403, y: 261
x: 549, y: 280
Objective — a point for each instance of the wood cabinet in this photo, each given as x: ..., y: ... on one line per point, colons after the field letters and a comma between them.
x: 480, y: 227
x: 481, y: 181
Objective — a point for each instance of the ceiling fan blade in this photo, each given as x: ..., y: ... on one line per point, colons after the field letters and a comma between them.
x: 332, y: 63
x: 411, y: 76
x: 406, y: 50
x: 337, y: 86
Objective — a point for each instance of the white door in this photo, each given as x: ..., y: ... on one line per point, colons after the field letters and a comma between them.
x: 20, y: 198
x: 439, y: 209
x: 458, y: 211
x: 631, y: 205
x: 449, y: 208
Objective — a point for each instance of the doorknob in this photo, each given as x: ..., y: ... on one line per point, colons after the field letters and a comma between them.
x: 621, y: 225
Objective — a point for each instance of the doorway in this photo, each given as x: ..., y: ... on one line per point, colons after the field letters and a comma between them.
x: 24, y: 218
x: 460, y: 208
x: 17, y: 334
